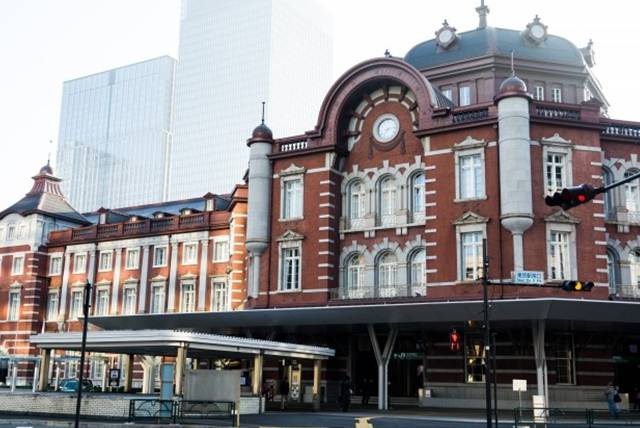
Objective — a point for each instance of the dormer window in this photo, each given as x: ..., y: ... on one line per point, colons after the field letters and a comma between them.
x: 186, y: 211
x: 133, y: 218
x: 158, y: 215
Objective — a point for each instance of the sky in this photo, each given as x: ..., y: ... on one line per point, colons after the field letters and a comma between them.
x: 45, y: 42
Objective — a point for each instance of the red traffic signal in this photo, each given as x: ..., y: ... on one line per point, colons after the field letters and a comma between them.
x: 577, y: 285
x: 454, y: 340
x: 570, y: 197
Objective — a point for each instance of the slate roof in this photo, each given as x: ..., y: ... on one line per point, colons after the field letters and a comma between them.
x: 495, y: 41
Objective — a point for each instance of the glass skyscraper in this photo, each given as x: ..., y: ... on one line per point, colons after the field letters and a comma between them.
x: 115, y: 135
x: 232, y: 56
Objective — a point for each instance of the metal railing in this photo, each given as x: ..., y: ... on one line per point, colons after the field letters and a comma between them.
x: 381, y: 291
x: 546, y: 417
x: 179, y: 411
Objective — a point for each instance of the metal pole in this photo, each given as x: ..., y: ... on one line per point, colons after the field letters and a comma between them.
x: 487, y: 332
x: 85, y: 322
x: 494, y: 366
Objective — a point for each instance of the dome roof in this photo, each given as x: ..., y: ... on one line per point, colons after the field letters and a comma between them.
x: 262, y: 132
x: 46, y: 170
x: 495, y: 41
x: 512, y: 86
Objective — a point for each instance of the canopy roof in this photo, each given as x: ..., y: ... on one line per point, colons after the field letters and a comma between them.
x: 165, y: 342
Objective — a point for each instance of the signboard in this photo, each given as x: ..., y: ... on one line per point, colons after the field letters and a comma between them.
x: 529, y: 277
x: 539, y: 411
x: 114, y: 377
x: 520, y: 385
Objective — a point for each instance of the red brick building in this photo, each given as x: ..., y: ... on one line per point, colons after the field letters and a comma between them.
x: 373, y: 223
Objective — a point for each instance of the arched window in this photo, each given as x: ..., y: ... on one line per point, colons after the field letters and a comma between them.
x: 634, y: 262
x: 632, y: 197
x: 417, y: 274
x: 387, y: 201
x: 387, y: 274
x: 613, y: 270
x: 607, y: 178
x: 356, y: 200
x: 355, y: 274
x: 417, y: 196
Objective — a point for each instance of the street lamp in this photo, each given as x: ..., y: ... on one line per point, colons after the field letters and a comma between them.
x: 85, y: 311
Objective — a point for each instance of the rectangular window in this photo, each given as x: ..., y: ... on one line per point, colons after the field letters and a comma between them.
x: 129, y: 304
x: 471, y: 255
x: 22, y: 231
x: 159, y: 256
x: 290, y: 265
x: 97, y: 369
x: 17, y: 265
x: 292, y: 198
x: 471, y: 176
x: 11, y: 233
x: 157, y: 298
x: 189, y: 254
x: 132, y: 258
x: 555, y: 172
x: 52, y: 306
x: 220, y: 250
x: 75, y: 311
x: 55, y: 265
x: 447, y: 93
x: 220, y: 295
x: 79, y: 263
x: 563, y: 350
x: 559, y: 255
x: 539, y: 93
x: 556, y: 94
x: 102, y: 302
x: 14, y: 305
x: 188, y: 296
x: 106, y: 261
x: 465, y: 95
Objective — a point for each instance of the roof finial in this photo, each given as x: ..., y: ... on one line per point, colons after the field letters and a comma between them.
x: 263, y: 103
x: 387, y: 54
x: 513, y: 70
x: 482, y: 13
x: 49, y: 154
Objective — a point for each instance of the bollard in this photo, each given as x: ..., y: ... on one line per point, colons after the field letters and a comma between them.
x: 363, y: 423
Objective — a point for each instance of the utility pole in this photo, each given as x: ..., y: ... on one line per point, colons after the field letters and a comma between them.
x: 85, y: 311
x: 487, y: 333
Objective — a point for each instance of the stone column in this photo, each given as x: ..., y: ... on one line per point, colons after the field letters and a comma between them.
x: 128, y: 374
x: 173, y: 272
x: 65, y: 285
x: 116, y: 281
x: 181, y: 358
x: 148, y: 377
x: 257, y: 374
x: 144, y: 272
x: 538, y: 330
x: 202, y: 283
x: 43, y: 373
x: 317, y: 364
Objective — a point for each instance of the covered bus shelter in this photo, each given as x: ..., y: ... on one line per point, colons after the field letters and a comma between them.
x: 180, y: 345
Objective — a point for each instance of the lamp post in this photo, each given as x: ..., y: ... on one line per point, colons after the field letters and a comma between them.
x: 85, y: 321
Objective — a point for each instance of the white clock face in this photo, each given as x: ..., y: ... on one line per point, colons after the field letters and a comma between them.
x: 445, y: 36
x: 537, y: 31
x: 386, y: 128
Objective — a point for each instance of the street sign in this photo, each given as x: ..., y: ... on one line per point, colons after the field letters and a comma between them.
x: 114, y: 377
x: 529, y: 277
x: 520, y: 385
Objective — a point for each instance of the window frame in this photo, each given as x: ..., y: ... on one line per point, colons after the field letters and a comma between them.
x: 464, y: 95
x: 82, y: 268
x: 282, y: 264
x: 55, y: 308
x: 76, y: 312
x: 468, y: 152
x: 127, y: 252
x: 220, y: 280
x: 16, y: 257
x: 538, y: 93
x: 556, y: 94
x: 415, y: 193
x: 570, y: 230
x: 59, y: 258
x: 447, y: 91
x: 390, y: 273
x: 386, y: 219
x: 158, y: 285
x: 412, y: 263
x: 565, y: 150
x: 102, y: 290
x: 187, y: 282
x: 284, y: 205
x: 184, y: 260
x: 108, y: 253
x: 220, y: 240
x: 165, y: 248
x: 13, y: 312
x: 129, y: 287
x: 356, y: 217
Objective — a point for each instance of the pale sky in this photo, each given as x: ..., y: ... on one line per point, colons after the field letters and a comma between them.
x: 45, y: 42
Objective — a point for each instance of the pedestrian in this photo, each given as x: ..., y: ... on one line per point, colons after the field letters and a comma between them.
x: 345, y: 393
x: 366, y: 391
x: 613, y: 398
x: 284, y: 393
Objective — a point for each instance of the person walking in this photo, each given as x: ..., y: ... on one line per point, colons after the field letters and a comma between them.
x: 613, y: 398
x: 366, y: 391
x: 284, y: 393
x: 345, y: 393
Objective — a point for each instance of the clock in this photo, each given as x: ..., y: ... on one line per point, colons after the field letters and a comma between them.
x: 536, y: 31
x: 386, y: 128
x: 446, y: 35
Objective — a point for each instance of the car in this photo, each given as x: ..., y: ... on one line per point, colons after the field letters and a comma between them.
x: 71, y: 385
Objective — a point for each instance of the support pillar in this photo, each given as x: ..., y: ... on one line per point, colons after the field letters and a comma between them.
x: 14, y: 375
x: 128, y: 373
x: 105, y: 376
x: 181, y: 358
x: 43, y: 373
x: 257, y: 374
x: 148, y: 376
x: 317, y: 365
x: 541, y: 360
x: 382, y: 359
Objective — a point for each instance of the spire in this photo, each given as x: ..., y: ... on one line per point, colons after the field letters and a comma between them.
x: 482, y: 13
x: 263, y: 103
x: 513, y: 70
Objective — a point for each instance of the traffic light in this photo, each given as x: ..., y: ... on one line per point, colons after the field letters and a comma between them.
x: 570, y: 197
x: 454, y: 340
x: 577, y: 285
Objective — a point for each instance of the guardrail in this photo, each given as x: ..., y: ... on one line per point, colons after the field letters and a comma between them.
x: 545, y: 417
x: 180, y: 411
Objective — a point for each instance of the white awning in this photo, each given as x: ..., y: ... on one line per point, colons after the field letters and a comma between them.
x: 165, y: 342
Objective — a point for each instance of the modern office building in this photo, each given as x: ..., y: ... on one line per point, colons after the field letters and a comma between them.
x: 115, y: 135
x: 232, y: 56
